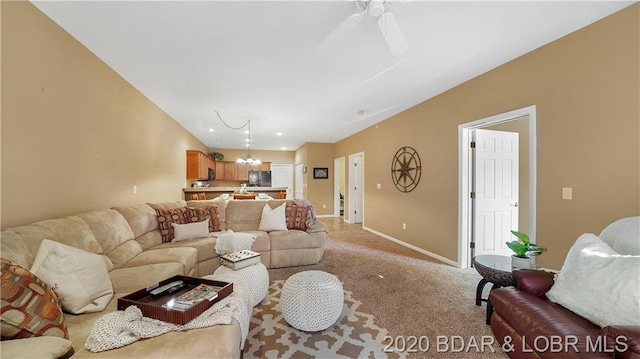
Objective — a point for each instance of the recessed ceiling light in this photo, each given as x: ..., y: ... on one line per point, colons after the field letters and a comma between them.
x: 247, y: 140
x: 279, y: 133
x: 284, y: 148
x: 211, y: 130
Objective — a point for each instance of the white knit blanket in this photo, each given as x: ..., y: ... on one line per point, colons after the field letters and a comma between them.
x: 120, y: 328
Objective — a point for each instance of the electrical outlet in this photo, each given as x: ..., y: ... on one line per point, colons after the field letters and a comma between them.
x: 567, y: 193
x: 378, y: 186
x: 324, y: 206
x: 135, y: 189
x: 404, y: 226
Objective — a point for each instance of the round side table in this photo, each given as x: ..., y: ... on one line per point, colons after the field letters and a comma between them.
x: 496, y: 270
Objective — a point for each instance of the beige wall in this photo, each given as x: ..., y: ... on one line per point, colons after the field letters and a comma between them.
x: 317, y: 191
x: 586, y: 90
x: 75, y: 135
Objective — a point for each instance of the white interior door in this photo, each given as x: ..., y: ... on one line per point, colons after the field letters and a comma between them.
x: 356, y: 188
x: 282, y: 176
x: 299, y: 192
x: 496, y: 190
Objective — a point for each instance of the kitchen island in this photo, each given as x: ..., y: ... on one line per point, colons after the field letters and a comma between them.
x: 213, y: 192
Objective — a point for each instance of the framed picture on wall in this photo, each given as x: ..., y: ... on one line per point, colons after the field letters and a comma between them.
x: 321, y: 172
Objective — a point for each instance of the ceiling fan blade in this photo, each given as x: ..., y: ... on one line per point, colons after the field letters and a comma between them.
x: 343, y: 29
x: 392, y: 34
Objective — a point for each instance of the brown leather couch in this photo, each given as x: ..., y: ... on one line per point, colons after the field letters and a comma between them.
x: 528, y: 325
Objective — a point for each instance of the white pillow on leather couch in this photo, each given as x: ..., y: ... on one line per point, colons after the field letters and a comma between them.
x: 599, y: 284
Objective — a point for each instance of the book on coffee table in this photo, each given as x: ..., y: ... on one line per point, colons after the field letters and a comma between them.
x: 240, y: 259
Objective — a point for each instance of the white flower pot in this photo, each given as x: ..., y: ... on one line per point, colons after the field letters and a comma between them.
x: 521, y: 263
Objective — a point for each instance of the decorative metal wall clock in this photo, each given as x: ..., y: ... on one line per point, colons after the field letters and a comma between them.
x: 406, y: 169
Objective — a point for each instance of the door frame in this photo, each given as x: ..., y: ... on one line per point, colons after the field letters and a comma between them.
x: 465, y: 176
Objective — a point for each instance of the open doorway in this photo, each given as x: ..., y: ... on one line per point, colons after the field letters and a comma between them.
x: 523, y: 122
x: 338, y: 186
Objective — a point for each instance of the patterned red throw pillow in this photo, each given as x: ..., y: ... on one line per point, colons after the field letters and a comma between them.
x: 205, y: 213
x: 296, y: 216
x: 29, y: 308
x: 168, y: 216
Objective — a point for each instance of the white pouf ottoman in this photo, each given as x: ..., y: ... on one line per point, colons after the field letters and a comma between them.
x: 312, y: 300
x: 256, y: 276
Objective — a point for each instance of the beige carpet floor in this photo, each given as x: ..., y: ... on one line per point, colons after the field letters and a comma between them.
x: 410, y: 295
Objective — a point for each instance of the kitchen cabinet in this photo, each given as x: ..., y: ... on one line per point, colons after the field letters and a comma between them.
x: 198, y: 165
x: 225, y: 171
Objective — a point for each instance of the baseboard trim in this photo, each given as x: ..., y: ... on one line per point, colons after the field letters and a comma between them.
x: 325, y: 216
x: 411, y: 246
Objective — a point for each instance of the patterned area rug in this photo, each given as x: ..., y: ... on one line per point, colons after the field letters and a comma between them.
x: 354, y: 335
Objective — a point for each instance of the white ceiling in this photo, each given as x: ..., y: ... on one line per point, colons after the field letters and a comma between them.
x: 260, y: 60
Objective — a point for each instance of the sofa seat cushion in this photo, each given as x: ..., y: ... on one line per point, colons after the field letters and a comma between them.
x: 220, y: 341
x: 37, y: 347
x: 533, y: 317
x: 204, y: 246
x: 186, y: 256
x: 296, y: 239
x: 127, y: 280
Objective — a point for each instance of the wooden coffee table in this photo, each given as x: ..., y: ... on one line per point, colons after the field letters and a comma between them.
x: 496, y: 270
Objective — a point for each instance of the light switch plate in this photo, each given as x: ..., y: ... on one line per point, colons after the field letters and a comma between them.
x: 567, y: 193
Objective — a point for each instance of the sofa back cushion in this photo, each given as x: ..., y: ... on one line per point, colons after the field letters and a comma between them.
x: 141, y: 218
x: 72, y: 231
x: 12, y: 247
x: 243, y: 215
x: 112, y: 231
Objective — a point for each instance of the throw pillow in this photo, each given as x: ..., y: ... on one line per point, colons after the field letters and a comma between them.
x: 79, y: 278
x: 29, y: 306
x: 183, y: 232
x: 231, y: 241
x: 599, y: 284
x: 297, y: 216
x: 273, y: 219
x: 168, y: 216
x: 209, y: 213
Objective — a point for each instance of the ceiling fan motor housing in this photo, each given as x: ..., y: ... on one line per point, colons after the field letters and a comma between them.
x: 376, y: 7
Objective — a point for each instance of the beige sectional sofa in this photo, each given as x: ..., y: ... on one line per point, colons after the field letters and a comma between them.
x: 128, y: 239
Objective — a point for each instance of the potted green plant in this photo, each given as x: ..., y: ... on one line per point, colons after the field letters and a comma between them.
x: 217, y: 156
x: 523, y: 250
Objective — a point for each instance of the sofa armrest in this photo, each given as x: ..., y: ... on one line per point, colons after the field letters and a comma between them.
x: 535, y: 282
x: 318, y: 227
x: 626, y: 340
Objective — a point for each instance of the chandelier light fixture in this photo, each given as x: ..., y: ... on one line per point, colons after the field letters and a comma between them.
x: 244, y: 159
